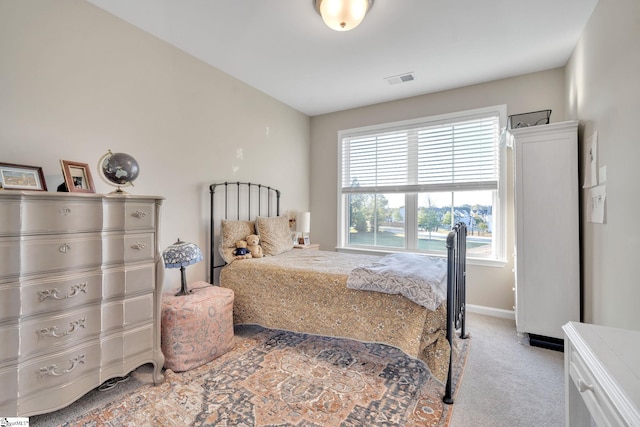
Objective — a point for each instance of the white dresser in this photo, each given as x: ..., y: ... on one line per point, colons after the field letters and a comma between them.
x: 547, y: 255
x: 80, y: 288
x: 602, y: 376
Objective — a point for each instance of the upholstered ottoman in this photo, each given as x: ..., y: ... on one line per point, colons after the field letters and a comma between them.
x: 196, y: 328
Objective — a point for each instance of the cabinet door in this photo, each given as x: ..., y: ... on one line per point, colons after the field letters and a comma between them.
x: 546, y: 198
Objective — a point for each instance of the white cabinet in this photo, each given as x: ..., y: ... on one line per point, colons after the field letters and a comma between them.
x: 547, y: 257
x: 80, y: 288
x: 602, y: 376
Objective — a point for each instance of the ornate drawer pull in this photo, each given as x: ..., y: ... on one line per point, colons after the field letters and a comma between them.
x: 55, y: 293
x: 65, y: 210
x: 582, y: 386
x: 139, y: 214
x: 53, y: 330
x: 64, y: 248
x: 55, y: 372
x: 138, y: 246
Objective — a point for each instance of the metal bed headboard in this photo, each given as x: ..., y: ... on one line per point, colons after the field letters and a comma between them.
x: 240, y: 201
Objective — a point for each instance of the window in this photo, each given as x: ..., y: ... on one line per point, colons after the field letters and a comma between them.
x: 403, y: 185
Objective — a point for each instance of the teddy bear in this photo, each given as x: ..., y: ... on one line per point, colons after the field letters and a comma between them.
x: 241, y: 251
x: 255, y: 249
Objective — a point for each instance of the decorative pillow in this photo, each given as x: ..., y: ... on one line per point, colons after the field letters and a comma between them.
x: 230, y: 232
x: 275, y: 235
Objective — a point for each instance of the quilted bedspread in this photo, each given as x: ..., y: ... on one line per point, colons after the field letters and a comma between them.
x: 306, y: 291
x: 420, y: 278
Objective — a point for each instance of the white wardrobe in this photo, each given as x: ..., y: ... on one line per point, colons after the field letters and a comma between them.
x: 547, y: 253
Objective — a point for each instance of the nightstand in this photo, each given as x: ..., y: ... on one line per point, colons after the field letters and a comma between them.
x: 311, y: 247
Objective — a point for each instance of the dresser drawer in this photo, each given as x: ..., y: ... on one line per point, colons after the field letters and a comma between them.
x: 9, y: 344
x: 61, y: 253
x: 61, y: 292
x: 10, y: 214
x: 47, y: 335
x: 140, y: 216
x: 129, y: 248
x: 129, y: 312
x: 600, y: 407
x: 8, y: 391
x: 60, y: 368
x: 10, y: 256
x: 127, y: 350
x: 61, y: 216
x: 112, y: 316
x: 9, y: 301
x: 138, y: 310
x: 129, y: 216
x: 138, y: 342
x: 127, y: 280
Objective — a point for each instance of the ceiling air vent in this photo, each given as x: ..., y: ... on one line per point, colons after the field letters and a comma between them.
x: 402, y: 78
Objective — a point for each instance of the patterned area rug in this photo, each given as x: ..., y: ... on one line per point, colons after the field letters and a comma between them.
x: 279, y: 378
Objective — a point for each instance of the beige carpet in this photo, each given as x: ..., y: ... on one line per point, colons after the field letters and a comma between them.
x: 507, y: 384
x: 277, y: 378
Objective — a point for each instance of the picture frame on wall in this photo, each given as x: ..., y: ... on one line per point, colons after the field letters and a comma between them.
x: 77, y: 177
x: 22, y: 177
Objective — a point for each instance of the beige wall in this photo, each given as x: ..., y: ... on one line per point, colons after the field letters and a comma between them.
x: 487, y: 286
x: 603, y: 92
x: 76, y: 81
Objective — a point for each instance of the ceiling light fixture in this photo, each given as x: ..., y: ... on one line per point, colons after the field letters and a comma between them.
x: 343, y: 15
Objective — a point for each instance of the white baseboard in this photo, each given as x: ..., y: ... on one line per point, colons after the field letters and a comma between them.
x: 490, y: 311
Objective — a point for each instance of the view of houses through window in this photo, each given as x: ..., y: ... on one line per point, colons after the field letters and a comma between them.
x: 379, y: 220
x: 404, y: 185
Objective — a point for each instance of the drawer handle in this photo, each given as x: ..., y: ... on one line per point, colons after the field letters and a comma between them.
x: 582, y: 386
x: 64, y: 248
x: 55, y: 372
x: 55, y: 293
x: 138, y: 246
x: 65, y: 210
x: 139, y: 214
x: 53, y: 330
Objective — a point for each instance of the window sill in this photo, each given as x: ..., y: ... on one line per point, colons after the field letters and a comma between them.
x: 484, y: 262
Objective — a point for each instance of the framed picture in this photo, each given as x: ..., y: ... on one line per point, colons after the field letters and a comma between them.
x: 21, y: 177
x: 77, y: 177
x: 306, y: 240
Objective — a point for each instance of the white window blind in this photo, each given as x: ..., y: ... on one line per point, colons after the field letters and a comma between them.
x: 457, y: 154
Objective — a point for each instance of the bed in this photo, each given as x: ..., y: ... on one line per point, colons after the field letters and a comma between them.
x: 310, y: 291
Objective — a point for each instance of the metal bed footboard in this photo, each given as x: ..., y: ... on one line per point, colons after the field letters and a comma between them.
x: 456, y: 294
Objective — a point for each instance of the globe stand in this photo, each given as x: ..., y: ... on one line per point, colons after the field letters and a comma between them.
x: 119, y: 192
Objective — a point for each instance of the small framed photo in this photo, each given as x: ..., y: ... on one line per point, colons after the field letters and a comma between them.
x: 77, y: 177
x: 21, y: 177
x: 306, y: 240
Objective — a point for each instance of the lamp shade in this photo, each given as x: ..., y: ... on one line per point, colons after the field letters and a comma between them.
x: 181, y: 254
x: 303, y: 222
x: 342, y: 15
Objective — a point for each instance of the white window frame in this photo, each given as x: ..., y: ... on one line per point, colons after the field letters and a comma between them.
x: 500, y: 205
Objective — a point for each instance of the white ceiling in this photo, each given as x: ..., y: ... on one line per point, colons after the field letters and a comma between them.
x: 282, y: 47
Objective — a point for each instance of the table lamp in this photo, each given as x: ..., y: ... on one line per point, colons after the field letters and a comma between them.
x: 180, y: 255
x: 303, y: 225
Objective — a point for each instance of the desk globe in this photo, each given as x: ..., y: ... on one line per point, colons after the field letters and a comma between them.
x: 119, y: 170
